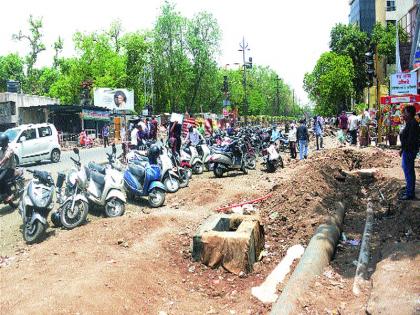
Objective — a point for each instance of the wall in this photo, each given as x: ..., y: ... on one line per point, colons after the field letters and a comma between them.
x: 22, y: 101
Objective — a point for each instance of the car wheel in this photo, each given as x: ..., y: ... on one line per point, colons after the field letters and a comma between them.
x: 55, y: 156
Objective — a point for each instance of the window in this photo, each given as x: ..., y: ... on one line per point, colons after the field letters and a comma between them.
x: 29, y: 134
x: 390, y: 5
x: 44, y: 132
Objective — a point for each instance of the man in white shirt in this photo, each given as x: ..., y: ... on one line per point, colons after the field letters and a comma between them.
x: 353, y: 126
x: 133, y: 136
x: 292, y: 141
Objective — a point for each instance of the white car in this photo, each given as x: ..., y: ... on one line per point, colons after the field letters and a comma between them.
x: 34, y: 142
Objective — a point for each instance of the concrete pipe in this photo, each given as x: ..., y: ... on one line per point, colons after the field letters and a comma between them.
x: 317, y: 256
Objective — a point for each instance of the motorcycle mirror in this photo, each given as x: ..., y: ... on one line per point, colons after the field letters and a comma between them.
x: 76, y: 150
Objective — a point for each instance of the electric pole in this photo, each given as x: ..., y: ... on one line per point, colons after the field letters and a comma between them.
x: 243, y: 47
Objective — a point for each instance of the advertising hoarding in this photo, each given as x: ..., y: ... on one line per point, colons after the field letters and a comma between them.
x: 114, y: 99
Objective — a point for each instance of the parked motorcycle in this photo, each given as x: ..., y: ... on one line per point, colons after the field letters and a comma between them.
x: 271, y: 158
x: 17, y: 184
x: 106, y: 187
x: 230, y: 159
x: 74, y: 206
x: 184, y: 174
x: 35, y: 205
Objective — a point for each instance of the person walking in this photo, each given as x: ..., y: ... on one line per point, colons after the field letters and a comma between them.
x: 318, y: 131
x: 154, y: 128
x: 343, y: 122
x: 292, y: 141
x: 410, y: 141
x: 302, y: 136
x: 353, y: 125
x: 7, y: 167
x: 141, y: 136
x: 105, y: 135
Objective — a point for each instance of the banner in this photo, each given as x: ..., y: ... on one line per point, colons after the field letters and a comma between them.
x: 88, y: 114
x: 114, y: 99
x: 404, y: 83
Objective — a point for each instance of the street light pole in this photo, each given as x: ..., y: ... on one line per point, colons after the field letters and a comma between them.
x: 276, y: 112
x: 244, y: 46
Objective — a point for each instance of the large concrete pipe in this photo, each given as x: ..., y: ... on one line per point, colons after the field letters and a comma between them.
x: 317, y: 256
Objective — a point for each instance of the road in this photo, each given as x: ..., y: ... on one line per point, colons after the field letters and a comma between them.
x: 86, y: 155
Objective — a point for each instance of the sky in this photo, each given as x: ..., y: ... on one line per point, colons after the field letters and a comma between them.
x: 288, y: 36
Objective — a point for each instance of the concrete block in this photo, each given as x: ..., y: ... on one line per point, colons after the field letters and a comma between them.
x: 231, y: 241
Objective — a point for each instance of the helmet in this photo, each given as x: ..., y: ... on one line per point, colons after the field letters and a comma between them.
x: 153, y: 153
x: 4, y: 140
x: 55, y: 218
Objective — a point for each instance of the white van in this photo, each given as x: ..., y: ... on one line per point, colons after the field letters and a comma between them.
x: 34, y: 142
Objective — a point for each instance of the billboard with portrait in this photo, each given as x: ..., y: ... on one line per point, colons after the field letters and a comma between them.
x: 114, y: 99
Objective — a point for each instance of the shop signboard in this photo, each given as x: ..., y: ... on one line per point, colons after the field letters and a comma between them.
x: 89, y: 114
x: 404, y: 83
x: 120, y: 100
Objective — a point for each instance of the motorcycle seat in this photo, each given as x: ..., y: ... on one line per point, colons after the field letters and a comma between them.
x: 136, y: 170
x: 98, y: 178
x: 96, y: 167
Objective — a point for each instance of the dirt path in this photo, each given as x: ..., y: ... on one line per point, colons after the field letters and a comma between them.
x: 140, y: 263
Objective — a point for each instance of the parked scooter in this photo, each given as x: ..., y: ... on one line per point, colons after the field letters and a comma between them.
x: 271, y: 158
x: 230, y: 159
x: 184, y: 174
x: 142, y: 179
x: 17, y: 184
x: 35, y: 205
x: 74, y: 206
x: 190, y: 154
x: 168, y: 177
x: 106, y: 187
x: 204, y: 154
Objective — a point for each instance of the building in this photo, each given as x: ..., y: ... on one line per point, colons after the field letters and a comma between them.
x: 362, y: 13
x: 16, y: 109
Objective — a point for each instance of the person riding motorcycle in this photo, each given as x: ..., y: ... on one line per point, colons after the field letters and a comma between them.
x: 7, y: 167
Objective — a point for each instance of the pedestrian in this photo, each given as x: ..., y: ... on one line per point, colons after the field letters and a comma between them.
x: 410, y: 141
x: 7, y: 167
x: 141, y: 137
x: 292, y: 140
x: 154, y: 126
x: 133, y: 136
x: 123, y: 133
x: 343, y: 122
x: 105, y: 135
x: 318, y: 131
x: 302, y: 136
x: 353, y: 125
x: 175, y: 132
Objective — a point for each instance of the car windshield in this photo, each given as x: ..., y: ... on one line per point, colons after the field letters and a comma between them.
x: 12, y: 133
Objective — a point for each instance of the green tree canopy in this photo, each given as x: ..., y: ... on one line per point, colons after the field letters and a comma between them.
x: 330, y: 84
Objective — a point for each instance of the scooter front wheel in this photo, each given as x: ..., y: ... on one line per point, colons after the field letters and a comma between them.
x: 114, y: 208
x: 71, y: 218
x: 33, y: 232
x: 171, y: 184
x: 156, y: 197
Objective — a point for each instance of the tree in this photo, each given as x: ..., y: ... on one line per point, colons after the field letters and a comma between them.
x: 330, y: 84
x: 11, y: 68
x: 58, y: 48
x: 170, y: 60
x: 349, y: 40
x: 36, y: 47
x: 203, y: 37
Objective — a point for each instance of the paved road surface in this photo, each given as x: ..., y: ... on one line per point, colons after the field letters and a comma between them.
x: 86, y: 155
